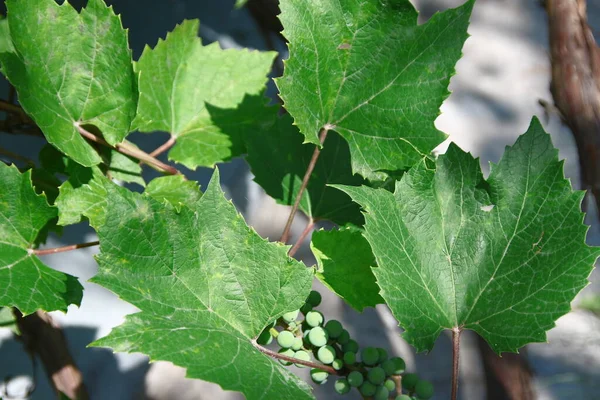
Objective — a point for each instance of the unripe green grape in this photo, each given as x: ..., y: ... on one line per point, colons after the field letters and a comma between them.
x: 334, y: 328
x: 286, y: 352
x: 403, y: 397
x: 326, y: 354
x: 349, y: 358
x: 381, y: 393
x: 369, y: 355
x: 314, y: 319
x: 290, y: 316
x: 424, y: 390
x: 367, y: 389
x: 351, y: 346
x: 318, y: 376
x: 383, y: 355
x: 355, y: 378
x: 337, y: 364
x: 314, y: 298
x: 301, y: 355
x: 306, y: 308
x: 343, y: 338
x: 318, y: 336
x: 342, y: 386
x: 409, y: 381
x: 376, y: 375
x: 297, y: 344
x: 285, y: 339
x: 265, y: 337
x: 292, y: 325
x: 390, y: 385
x: 394, y: 366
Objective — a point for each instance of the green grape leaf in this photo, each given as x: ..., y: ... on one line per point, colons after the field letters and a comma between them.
x: 6, y: 45
x: 367, y: 70
x: 121, y: 167
x: 204, y: 281
x: 71, y: 69
x: 175, y: 189
x: 84, y: 194
x: 180, y: 76
x: 503, y: 256
x: 279, y: 160
x: 25, y: 282
x: 344, y: 260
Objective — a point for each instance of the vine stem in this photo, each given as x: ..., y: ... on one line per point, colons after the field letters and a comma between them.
x: 283, y: 357
x: 311, y: 166
x: 309, y: 227
x: 131, y: 151
x: 455, y: 354
x: 62, y: 249
x: 164, y: 147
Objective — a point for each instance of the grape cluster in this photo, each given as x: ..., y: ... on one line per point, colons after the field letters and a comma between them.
x: 368, y: 369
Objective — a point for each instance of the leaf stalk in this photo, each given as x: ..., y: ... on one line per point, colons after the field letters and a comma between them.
x: 62, y: 249
x: 283, y: 357
x: 455, y: 354
x: 311, y: 166
x: 132, y: 151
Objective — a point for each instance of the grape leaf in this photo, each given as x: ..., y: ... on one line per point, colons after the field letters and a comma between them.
x: 345, y: 259
x: 279, y: 159
x: 6, y: 45
x: 83, y: 194
x: 179, y: 76
x: 121, y: 167
x: 205, y: 283
x: 25, y: 282
x: 175, y: 190
x: 366, y: 70
x: 71, y: 69
x: 503, y: 257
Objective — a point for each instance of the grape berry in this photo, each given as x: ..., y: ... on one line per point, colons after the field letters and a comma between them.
x: 328, y: 342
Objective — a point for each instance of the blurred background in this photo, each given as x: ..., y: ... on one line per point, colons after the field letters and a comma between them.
x: 500, y: 83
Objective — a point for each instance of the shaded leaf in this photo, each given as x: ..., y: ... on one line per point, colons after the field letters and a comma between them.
x: 279, y: 160
x: 344, y: 260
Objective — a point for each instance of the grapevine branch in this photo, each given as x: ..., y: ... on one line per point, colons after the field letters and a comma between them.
x: 43, y: 337
x: 132, y: 151
x: 455, y: 354
x: 303, y: 235
x: 313, y: 161
x: 42, y: 252
x: 283, y: 357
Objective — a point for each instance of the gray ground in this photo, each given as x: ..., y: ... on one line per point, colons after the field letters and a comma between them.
x: 503, y: 74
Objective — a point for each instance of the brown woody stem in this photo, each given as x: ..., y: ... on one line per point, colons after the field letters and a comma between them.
x: 455, y: 354
x: 311, y: 166
x: 303, y: 235
x: 132, y: 151
x: 283, y: 357
x: 44, y: 338
x: 43, y: 252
